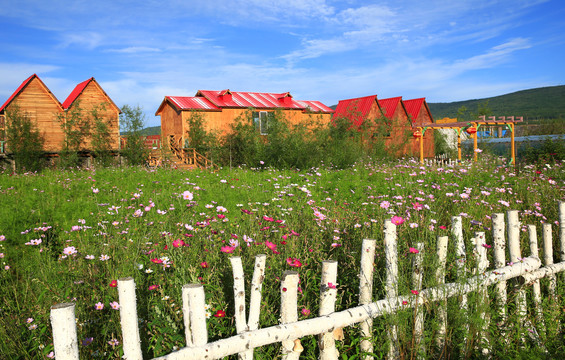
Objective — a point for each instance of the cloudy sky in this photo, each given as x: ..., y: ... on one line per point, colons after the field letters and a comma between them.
x: 141, y: 51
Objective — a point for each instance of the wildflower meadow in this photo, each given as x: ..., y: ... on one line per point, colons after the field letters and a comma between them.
x: 67, y: 236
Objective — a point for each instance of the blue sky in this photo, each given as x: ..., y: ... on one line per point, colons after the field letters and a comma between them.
x: 141, y: 51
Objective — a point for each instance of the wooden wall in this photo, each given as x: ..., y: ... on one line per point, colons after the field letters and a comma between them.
x: 93, y: 96
x: 38, y: 103
x: 400, y: 140
x: 429, y: 146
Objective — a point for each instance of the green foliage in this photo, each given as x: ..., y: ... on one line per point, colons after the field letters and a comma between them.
x: 101, y: 136
x: 548, y: 152
x: 23, y: 140
x: 76, y: 128
x: 132, y: 121
x: 198, y: 138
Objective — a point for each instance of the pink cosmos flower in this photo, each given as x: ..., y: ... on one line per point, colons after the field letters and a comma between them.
x: 305, y: 312
x: 293, y: 262
x: 157, y: 261
x: 227, y: 249
x: 114, y: 283
x: 220, y: 313
x: 187, y: 195
x: 266, y: 218
x: 271, y: 246
x: 99, y: 306
x: 415, y: 292
x: 114, y: 305
x: 204, y: 264
x: 397, y: 220
x: 331, y: 285
x: 153, y: 287
x: 417, y: 206
x: 413, y: 250
x: 178, y: 243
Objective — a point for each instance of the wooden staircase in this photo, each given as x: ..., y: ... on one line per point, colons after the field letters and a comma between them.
x: 173, y: 155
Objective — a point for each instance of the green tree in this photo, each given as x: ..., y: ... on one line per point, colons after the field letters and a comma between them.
x: 132, y: 121
x: 24, y: 141
x: 76, y: 129
x: 101, y: 136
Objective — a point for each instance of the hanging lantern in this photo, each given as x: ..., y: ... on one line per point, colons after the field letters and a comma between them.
x: 417, y: 134
x: 472, y: 130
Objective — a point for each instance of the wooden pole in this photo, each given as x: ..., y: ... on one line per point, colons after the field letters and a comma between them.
x: 391, y: 285
x: 417, y: 278
x: 457, y: 232
x: 482, y: 264
x: 536, y: 290
x: 475, y: 145
x: 458, y: 144
x: 499, y: 245
x: 65, y: 342
x: 328, y: 295
x: 366, y: 291
x: 440, y: 280
x: 515, y: 257
x: 421, y: 146
x: 512, y: 144
x: 128, y: 319
x: 291, y: 348
x: 195, y: 298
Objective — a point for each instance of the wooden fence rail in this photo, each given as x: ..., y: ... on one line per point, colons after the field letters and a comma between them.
x: 329, y: 324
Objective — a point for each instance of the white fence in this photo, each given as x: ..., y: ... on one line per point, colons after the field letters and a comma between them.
x: 329, y: 324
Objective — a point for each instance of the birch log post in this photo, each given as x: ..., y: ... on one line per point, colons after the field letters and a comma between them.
x: 457, y: 232
x: 536, y: 290
x: 548, y: 257
x: 440, y: 280
x: 391, y: 264
x: 239, y: 300
x: 499, y: 245
x: 128, y: 319
x: 328, y: 295
x: 194, y: 300
x: 366, y: 292
x: 291, y: 348
x: 417, y: 277
x: 515, y: 257
x: 562, y: 233
x: 482, y: 265
x: 63, y: 323
x: 256, y: 288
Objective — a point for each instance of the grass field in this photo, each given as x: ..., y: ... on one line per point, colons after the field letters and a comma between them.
x: 66, y: 236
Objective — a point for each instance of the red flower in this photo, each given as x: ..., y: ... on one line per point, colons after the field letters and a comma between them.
x: 153, y: 287
x: 415, y: 292
x: 157, y: 261
x: 178, y: 243
x: 413, y: 250
x: 113, y: 283
x: 204, y: 264
x: 220, y: 314
x: 293, y: 262
x: 266, y: 218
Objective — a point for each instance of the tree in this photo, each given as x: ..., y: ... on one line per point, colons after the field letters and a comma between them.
x: 76, y: 128
x: 101, y: 137
x: 23, y: 140
x: 132, y: 120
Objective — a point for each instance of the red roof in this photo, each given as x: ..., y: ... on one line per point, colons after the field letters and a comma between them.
x: 216, y: 100
x: 75, y: 93
x: 20, y: 89
x: 389, y: 105
x: 413, y: 107
x: 356, y: 109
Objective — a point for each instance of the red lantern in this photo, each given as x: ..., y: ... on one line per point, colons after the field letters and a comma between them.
x: 417, y: 134
x: 472, y: 130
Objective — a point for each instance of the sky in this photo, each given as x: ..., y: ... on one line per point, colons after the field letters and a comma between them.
x: 325, y: 50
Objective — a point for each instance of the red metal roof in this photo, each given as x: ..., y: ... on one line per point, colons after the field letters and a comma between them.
x: 75, y: 93
x: 356, y: 109
x: 389, y: 105
x: 20, y: 89
x: 413, y: 107
x: 215, y: 100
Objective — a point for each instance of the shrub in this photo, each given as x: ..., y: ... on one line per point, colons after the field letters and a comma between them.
x: 132, y: 121
x: 23, y: 140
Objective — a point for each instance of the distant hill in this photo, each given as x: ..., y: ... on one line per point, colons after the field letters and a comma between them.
x: 153, y: 130
x: 532, y: 104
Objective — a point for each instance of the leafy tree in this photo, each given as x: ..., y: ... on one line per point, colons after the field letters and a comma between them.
x: 101, y: 136
x: 132, y: 120
x: 76, y: 129
x: 23, y: 140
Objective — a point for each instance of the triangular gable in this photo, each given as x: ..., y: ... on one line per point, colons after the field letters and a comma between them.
x: 389, y: 106
x: 23, y: 86
x: 187, y: 103
x: 356, y: 110
x: 415, y: 107
x: 80, y: 88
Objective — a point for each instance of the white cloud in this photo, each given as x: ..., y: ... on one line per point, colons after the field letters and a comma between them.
x: 134, y: 50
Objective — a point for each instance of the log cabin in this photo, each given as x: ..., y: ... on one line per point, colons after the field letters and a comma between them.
x: 398, y: 136
x: 221, y: 108
x: 420, y: 115
x: 34, y: 99
x: 90, y: 97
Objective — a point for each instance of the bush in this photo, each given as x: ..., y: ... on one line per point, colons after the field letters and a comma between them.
x: 132, y: 120
x: 23, y: 140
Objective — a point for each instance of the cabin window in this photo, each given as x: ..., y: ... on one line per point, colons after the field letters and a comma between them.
x: 261, y: 121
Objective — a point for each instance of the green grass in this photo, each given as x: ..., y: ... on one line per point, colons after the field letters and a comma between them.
x: 94, y: 212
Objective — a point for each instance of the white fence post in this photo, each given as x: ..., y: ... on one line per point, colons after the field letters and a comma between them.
x: 128, y: 319
x: 239, y: 299
x: 366, y: 292
x: 291, y: 349
x: 532, y: 232
x: 457, y: 232
x: 440, y: 280
x: 255, y: 299
x: 417, y: 277
x: 63, y: 322
x: 193, y: 295
x: 499, y: 245
x: 562, y: 229
x: 391, y: 268
x: 482, y: 264
x: 548, y: 256
x: 516, y: 257
x: 328, y: 295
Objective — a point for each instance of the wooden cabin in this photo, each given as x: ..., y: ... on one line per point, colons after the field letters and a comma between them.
x: 35, y: 100
x: 399, y: 137
x: 89, y: 96
x: 220, y: 109
x: 420, y: 115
